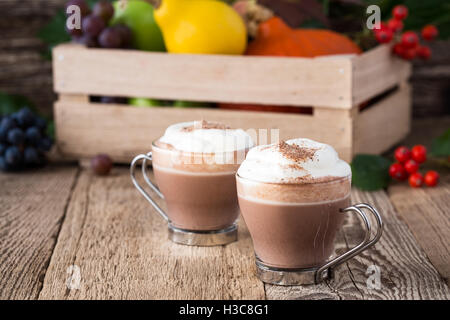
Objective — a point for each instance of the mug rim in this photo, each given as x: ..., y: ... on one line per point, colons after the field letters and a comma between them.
x: 198, y: 153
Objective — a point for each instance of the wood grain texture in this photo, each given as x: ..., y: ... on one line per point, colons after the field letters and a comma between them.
x: 124, y: 131
x: 32, y: 207
x: 120, y: 244
x: 210, y: 78
x: 426, y: 211
x: 406, y: 273
x: 384, y: 124
x: 22, y: 69
x: 375, y: 72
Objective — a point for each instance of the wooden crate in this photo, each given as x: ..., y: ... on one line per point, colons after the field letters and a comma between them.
x: 334, y: 87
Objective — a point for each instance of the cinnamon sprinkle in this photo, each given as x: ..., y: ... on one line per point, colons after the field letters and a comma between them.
x: 296, y: 153
x: 205, y: 125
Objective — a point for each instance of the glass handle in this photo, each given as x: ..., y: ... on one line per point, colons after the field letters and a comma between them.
x: 363, y: 245
x: 144, y: 158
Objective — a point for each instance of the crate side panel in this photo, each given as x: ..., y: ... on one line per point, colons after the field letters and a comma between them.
x: 84, y: 130
x: 384, y: 124
x: 376, y: 71
x: 214, y: 78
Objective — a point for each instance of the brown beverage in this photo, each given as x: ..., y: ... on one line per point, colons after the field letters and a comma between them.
x: 292, y: 197
x: 198, y: 196
x: 293, y: 225
x: 195, y: 165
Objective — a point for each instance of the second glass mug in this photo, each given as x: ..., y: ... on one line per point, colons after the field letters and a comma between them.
x: 294, y: 243
x: 199, y: 191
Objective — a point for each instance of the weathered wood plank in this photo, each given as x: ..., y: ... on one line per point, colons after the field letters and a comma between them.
x: 120, y: 245
x: 406, y: 273
x: 210, y: 78
x: 32, y: 207
x: 375, y: 72
x: 426, y: 211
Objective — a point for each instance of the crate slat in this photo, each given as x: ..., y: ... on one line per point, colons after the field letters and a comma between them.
x: 384, y: 124
x: 84, y: 130
x: 211, y: 78
x: 376, y: 71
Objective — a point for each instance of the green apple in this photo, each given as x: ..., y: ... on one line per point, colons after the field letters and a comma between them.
x: 191, y: 104
x: 138, y: 16
x: 145, y: 102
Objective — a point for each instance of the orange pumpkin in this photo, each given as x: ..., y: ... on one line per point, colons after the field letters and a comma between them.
x: 275, y: 38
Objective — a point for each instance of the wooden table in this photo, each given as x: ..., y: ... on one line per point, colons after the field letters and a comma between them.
x: 62, y: 222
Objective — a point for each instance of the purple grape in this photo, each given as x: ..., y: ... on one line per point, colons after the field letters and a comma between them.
x: 45, y: 144
x: 84, y: 7
x: 16, y: 136
x: 6, y: 124
x: 116, y: 100
x: 125, y: 34
x: 93, y: 25
x: 110, y: 38
x: 74, y: 33
x: 3, y: 165
x: 101, y: 164
x: 33, y: 136
x: 24, y: 117
x: 31, y: 156
x: 13, y: 156
x: 103, y: 9
x: 87, y: 41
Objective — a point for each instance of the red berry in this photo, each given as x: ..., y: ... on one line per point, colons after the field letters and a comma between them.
x: 398, y: 49
x: 400, y: 12
x: 411, y: 166
x: 419, y: 153
x: 415, y: 180
x: 429, y: 32
x: 402, y: 154
x: 431, y: 178
x: 395, y: 25
x: 424, y: 52
x: 381, y: 26
x: 409, y: 53
x: 410, y: 39
x: 397, y: 171
x: 384, y: 35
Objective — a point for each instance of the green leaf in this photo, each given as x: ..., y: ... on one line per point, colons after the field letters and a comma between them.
x: 12, y: 103
x: 370, y: 172
x: 441, y: 145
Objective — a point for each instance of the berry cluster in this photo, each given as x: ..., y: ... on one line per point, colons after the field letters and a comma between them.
x: 407, y: 45
x: 95, y: 31
x: 407, y: 167
x: 23, y: 140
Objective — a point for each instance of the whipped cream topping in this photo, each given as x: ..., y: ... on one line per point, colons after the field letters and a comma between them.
x: 293, y: 161
x: 206, y: 137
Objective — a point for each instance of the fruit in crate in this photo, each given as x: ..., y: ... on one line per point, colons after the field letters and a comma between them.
x: 201, y: 26
x: 23, y: 140
x: 145, y: 102
x: 191, y: 104
x: 95, y: 31
x: 253, y: 14
x: 138, y: 16
x: 276, y: 38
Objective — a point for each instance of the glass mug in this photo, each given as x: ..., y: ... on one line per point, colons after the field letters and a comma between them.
x: 293, y: 227
x: 199, y: 190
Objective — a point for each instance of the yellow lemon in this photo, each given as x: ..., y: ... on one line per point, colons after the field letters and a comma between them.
x: 201, y: 26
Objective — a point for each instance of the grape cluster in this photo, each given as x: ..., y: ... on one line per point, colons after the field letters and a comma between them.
x: 23, y: 141
x: 95, y: 31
